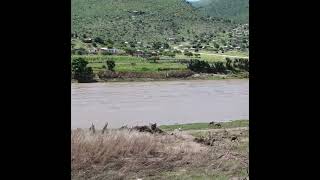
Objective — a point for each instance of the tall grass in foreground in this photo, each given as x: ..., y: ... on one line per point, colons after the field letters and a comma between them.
x: 124, y: 154
x: 120, y: 152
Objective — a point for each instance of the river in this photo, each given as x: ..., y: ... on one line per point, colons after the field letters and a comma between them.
x: 161, y: 102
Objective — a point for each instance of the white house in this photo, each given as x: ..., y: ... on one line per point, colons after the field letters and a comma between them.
x: 111, y: 50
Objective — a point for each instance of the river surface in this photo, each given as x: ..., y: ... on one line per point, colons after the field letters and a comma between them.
x: 162, y: 102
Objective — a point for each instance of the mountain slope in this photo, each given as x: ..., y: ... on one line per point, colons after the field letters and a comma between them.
x: 237, y: 10
x: 143, y: 21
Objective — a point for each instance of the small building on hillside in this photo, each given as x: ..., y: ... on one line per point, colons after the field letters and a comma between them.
x: 139, y: 53
x: 109, y: 50
x: 87, y: 40
x: 93, y: 51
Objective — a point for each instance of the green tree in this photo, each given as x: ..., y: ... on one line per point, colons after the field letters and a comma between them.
x: 199, y: 66
x: 111, y: 64
x: 80, y: 71
x: 187, y: 53
x: 166, y: 46
x: 218, y: 67
x: 157, y: 45
x: 130, y: 51
x: 229, y: 64
x: 216, y: 45
x: 99, y: 40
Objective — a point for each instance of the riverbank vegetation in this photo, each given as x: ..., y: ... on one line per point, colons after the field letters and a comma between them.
x: 174, y: 154
x: 126, y: 68
x: 157, y: 40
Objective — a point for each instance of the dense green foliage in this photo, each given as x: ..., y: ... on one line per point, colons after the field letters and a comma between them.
x: 199, y: 66
x: 111, y: 65
x: 124, y: 38
x: 145, y: 24
x: 237, y: 10
x: 80, y: 71
x: 236, y: 65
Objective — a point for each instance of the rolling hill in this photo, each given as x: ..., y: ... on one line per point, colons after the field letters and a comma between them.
x: 237, y: 10
x: 145, y: 22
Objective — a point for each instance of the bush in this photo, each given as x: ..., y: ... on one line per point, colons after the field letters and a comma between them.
x: 197, y: 55
x: 229, y: 64
x: 217, y: 46
x: 187, y: 53
x: 153, y: 58
x: 99, y: 40
x: 204, y: 67
x: 80, y: 71
x: 130, y: 51
x: 218, y: 67
x: 177, y: 51
x: 241, y: 64
x: 111, y: 64
x: 80, y: 51
x: 199, y: 66
x: 144, y: 69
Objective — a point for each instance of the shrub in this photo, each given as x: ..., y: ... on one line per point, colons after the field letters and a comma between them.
x: 197, y: 55
x: 187, y: 53
x: 229, y: 64
x: 106, y: 53
x: 153, y: 58
x: 80, y: 51
x: 111, y: 64
x: 218, y: 67
x: 144, y: 69
x: 80, y: 71
x: 242, y: 64
x: 199, y: 66
x: 98, y: 40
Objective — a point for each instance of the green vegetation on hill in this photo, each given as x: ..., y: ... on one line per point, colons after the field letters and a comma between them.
x: 237, y: 10
x: 157, y: 39
x: 142, y: 23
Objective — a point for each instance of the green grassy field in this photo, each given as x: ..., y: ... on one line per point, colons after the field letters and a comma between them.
x: 131, y: 63
x: 209, y: 58
x: 204, y: 126
x: 138, y: 64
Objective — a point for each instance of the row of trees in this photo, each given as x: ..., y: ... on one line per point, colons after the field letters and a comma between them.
x: 236, y: 65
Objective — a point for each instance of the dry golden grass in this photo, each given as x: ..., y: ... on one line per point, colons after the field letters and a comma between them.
x: 123, y: 154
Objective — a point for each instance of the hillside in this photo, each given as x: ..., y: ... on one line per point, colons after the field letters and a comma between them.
x: 145, y: 21
x: 237, y: 10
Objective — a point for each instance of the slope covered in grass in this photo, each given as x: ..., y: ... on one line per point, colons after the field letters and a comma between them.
x: 144, y: 21
x: 237, y: 10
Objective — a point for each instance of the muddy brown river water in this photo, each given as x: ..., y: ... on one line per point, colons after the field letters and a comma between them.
x: 163, y: 102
